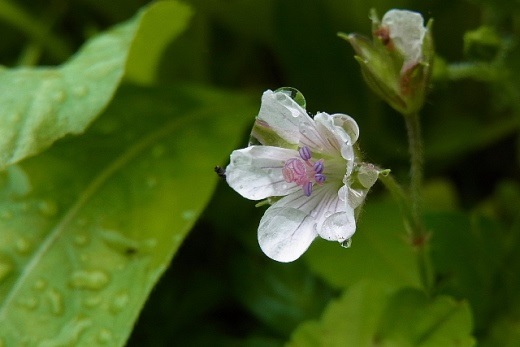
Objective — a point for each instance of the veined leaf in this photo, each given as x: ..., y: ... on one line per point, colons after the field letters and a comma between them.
x: 41, y: 105
x: 369, y: 314
x: 88, y: 227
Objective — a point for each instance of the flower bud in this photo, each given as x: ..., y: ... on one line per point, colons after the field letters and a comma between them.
x: 397, y: 62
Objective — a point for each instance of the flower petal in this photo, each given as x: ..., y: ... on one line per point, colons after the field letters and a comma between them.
x: 285, y: 233
x: 255, y: 172
x: 280, y: 113
x: 407, y: 33
x: 336, y: 130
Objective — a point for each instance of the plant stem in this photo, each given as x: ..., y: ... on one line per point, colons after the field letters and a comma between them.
x: 419, y: 236
x: 410, y: 204
x: 416, y: 172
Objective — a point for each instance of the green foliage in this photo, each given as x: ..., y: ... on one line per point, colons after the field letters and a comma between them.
x: 84, y: 238
x: 370, y: 314
x: 107, y: 157
x: 41, y: 105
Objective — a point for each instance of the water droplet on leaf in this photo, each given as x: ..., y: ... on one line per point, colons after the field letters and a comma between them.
x: 119, y: 302
x: 6, y: 267
x: 118, y: 242
x: 92, y: 301
x: 188, y: 214
x: 59, y: 96
x: 80, y: 91
x: 23, y: 246
x: 48, y: 208
x: 80, y: 240
x: 56, y: 301
x: 40, y: 284
x: 93, y: 279
x: 30, y: 303
x: 104, y: 336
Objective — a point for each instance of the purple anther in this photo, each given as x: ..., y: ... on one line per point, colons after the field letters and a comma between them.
x: 318, y: 166
x: 320, y: 178
x: 305, y: 153
x: 307, y: 189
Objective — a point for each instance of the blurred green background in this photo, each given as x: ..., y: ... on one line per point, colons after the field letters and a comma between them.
x: 220, y: 289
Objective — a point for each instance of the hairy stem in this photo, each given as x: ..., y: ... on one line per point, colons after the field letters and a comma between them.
x: 416, y: 172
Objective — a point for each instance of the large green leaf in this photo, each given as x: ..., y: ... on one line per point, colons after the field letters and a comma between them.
x: 467, y: 254
x: 369, y: 314
x: 379, y: 251
x: 88, y: 227
x: 41, y: 105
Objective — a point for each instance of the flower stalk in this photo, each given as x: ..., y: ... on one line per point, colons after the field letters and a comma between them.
x: 397, y: 66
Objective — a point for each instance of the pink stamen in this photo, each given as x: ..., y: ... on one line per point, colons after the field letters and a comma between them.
x: 303, y: 171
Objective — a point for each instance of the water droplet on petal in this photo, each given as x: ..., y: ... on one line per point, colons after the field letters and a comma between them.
x: 93, y: 279
x: 294, y: 94
x: 119, y: 302
x: 346, y: 244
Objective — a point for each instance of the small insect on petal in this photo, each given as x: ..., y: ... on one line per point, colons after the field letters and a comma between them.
x: 221, y: 172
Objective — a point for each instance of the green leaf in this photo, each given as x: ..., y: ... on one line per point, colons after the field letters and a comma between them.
x: 41, y: 105
x: 379, y: 251
x: 156, y: 30
x: 369, y: 314
x: 90, y: 225
x: 467, y: 254
x: 280, y: 295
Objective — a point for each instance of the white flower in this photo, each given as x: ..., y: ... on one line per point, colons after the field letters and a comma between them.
x: 406, y: 30
x: 303, y: 165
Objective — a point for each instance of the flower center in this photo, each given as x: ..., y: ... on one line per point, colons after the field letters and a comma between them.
x: 303, y: 171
